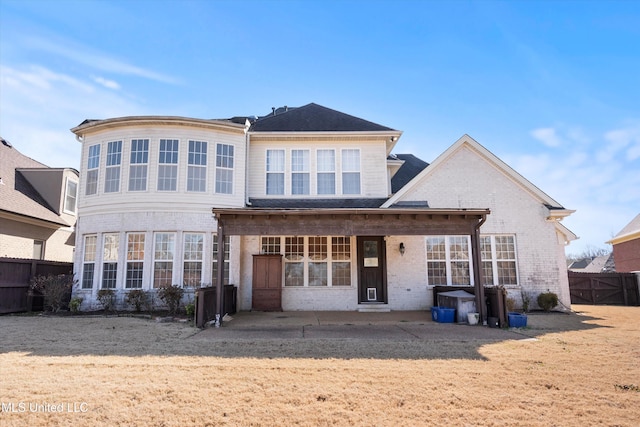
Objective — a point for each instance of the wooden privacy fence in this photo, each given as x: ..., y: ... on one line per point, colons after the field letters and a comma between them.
x: 604, y: 288
x: 15, y: 276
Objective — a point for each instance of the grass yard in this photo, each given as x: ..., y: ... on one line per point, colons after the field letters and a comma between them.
x: 120, y: 371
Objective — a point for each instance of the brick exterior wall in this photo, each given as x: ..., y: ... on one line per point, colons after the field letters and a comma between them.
x: 469, y: 180
x: 627, y: 256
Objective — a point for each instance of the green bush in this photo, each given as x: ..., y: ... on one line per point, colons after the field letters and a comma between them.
x: 74, y: 304
x: 171, y: 296
x: 547, y: 300
x: 107, y: 299
x: 55, y: 289
x: 137, y: 298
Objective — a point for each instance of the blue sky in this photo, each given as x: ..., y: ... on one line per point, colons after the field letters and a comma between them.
x: 550, y: 87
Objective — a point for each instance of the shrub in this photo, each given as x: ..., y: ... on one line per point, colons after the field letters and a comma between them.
x: 171, y: 296
x: 74, y: 304
x: 526, y: 301
x: 511, y: 304
x: 547, y: 300
x: 190, y: 309
x: 55, y: 289
x: 106, y: 298
x: 137, y: 298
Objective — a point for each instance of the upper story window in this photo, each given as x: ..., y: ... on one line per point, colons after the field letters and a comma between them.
x: 70, y: 196
x: 275, y: 171
x: 93, y: 163
x: 224, y: 169
x: 138, y: 164
x: 351, y: 171
x: 326, y: 166
x: 112, y: 173
x: 168, y: 165
x: 197, y: 166
x: 300, y: 172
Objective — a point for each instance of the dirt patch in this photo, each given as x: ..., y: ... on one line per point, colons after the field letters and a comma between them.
x: 564, y: 370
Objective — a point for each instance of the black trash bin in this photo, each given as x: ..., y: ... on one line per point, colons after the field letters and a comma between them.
x: 230, y: 298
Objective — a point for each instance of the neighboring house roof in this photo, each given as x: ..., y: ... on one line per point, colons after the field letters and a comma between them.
x: 17, y: 195
x: 335, y: 203
x: 313, y: 118
x: 630, y: 232
x: 599, y: 264
x: 411, y: 167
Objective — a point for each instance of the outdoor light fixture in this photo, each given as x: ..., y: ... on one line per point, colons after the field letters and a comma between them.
x: 402, y: 248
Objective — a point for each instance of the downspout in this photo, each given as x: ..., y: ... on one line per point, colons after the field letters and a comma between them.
x: 477, y: 270
x: 246, y: 165
x: 220, y: 274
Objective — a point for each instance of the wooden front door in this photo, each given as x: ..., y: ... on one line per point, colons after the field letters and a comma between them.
x: 267, y: 283
x: 372, y: 271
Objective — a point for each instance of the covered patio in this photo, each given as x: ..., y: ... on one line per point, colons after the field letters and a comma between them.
x: 394, y: 221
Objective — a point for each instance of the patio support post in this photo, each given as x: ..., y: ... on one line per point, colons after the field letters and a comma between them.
x: 476, y: 254
x: 220, y: 275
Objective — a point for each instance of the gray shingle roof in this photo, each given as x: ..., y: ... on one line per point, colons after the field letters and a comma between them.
x: 17, y: 195
x: 411, y: 167
x: 313, y: 118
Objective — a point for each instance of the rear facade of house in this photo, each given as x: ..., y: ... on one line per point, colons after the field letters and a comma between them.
x: 313, y: 211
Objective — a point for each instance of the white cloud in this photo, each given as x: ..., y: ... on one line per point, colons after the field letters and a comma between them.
x: 40, y: 105
x: 110, y: 84
x: 547, y: 136
x: 85, y: 56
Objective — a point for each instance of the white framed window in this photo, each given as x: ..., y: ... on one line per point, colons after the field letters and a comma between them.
x: 227, y: 253
x: 326, y: 171
x: 135, y: 260
x: 138, y: 164
x: 300, y: 172
x: 70, y: 196
x: 197, y: 166
x: 275, y: 172
x: 110, y: 260
x: 313, y: 261
x: 93, y: 165
x: 351, y: 171
x: 112, y: 173
x: 168, y: 165
x: 449, y: 260
x: 192, y: 261
x: 224, y: 168
x: 89, y: 261
x: 163, y: 255
x: 499, y: 266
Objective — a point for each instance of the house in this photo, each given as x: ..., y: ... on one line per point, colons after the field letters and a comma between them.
x: 626, y: 247
x: 596, y: 264
x: 37, y: 208
x: 312, y: 209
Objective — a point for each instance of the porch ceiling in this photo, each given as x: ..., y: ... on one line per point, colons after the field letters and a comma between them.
x: 349, y: 222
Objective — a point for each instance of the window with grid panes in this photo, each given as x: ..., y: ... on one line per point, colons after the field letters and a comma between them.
x: 135, y: 260
x: 275, y: 171
x: 112, y: 172
x: 224, y: 169
x: 227, y: 252
x: 499, y: 259
x: 193, y: 255
x: 300, y: 172
x: 294, y: 261
x: 110, y: 260
x: 448, y: 260
x: 93, y: 165
x: 168, y: 165
x: 197, y: 166
x: 163, y: 252
x: 138, y: 165
x: 89, y: 261
x: 340, y: 261
x: 326, y: 171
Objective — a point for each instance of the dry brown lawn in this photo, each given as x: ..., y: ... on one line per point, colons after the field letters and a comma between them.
x: 134, y: 372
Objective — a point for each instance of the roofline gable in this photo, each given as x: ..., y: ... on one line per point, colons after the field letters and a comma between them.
x: 492, y: 159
